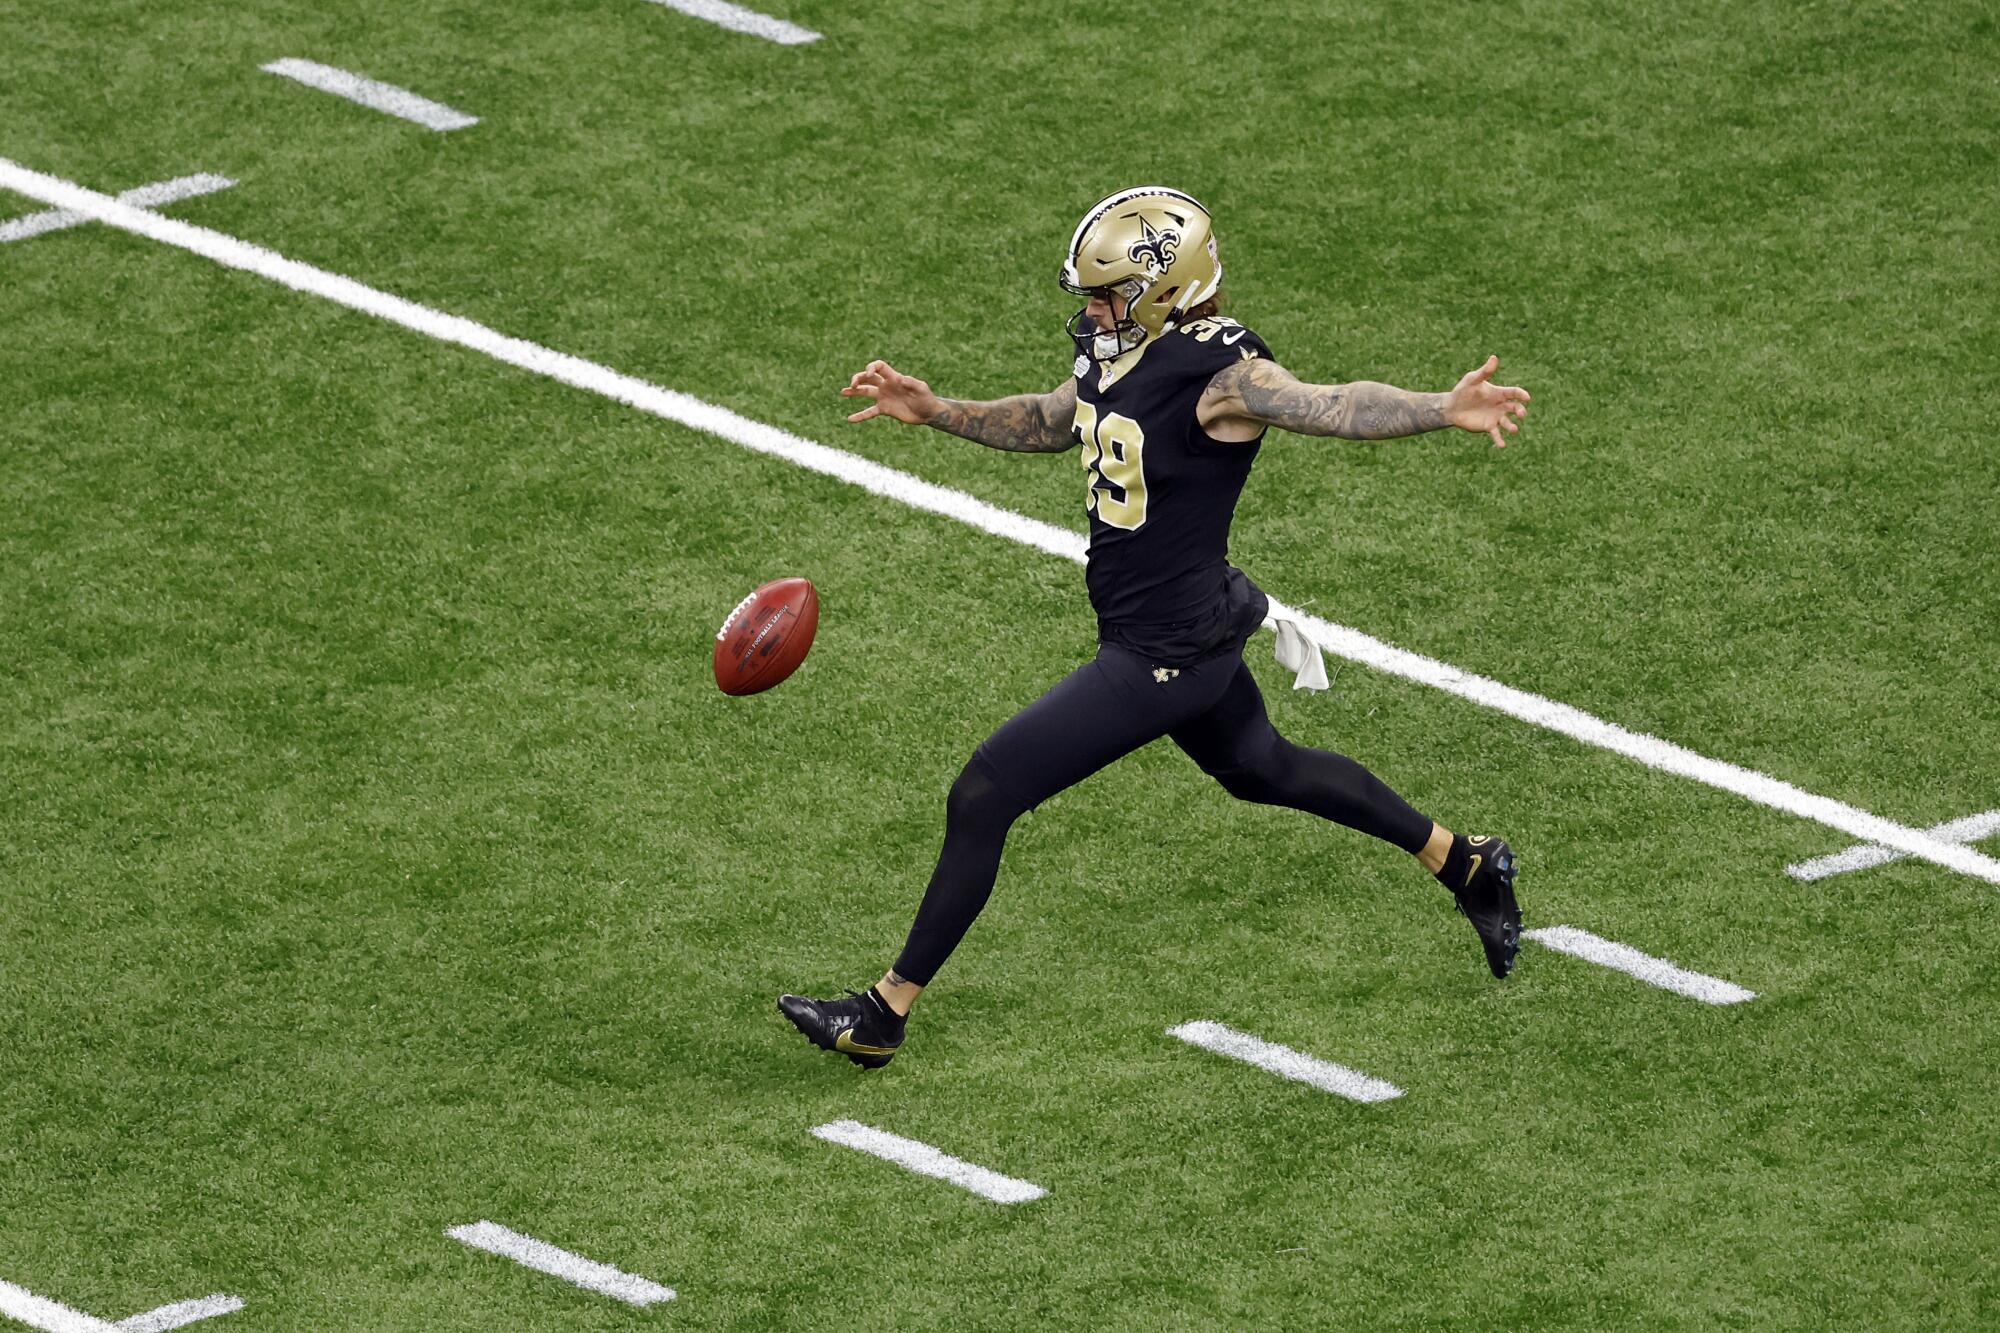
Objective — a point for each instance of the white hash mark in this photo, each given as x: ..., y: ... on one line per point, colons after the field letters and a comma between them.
x: 384, y: 97
x: 738, y: 19
x: 546, y: 1258
x: 928, y: 1161
x: 1286, y: 1062
x: 1860, y: 857
x: 1653, y: 971
x: 144, y: 196
x: 181, y: 1313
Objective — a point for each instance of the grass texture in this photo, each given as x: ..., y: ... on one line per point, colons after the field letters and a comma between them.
x: 376, y: 854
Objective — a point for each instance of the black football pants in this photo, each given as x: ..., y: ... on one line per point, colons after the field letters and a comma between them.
x: 1103, y: 710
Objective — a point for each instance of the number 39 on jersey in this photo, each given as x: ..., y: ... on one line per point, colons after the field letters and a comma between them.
x: 1114, y: 467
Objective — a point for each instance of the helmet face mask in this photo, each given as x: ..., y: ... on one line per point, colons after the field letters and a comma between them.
x: 1099, y: 344
x: 1153, y: 246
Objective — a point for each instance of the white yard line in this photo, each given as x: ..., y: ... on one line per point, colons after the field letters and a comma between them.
x: 1653, y: 971
x: 546, y: 1258
x: 928, y: 1161
x: 1969, y: 829
x: 738, y: 19
x: 383, y: 97
x: 1651, y: 751
x: 181, y: 1313
x: 45, y: 1314
x: 918, y: 494
x: 1286, y: 1062
x: 144, y: 196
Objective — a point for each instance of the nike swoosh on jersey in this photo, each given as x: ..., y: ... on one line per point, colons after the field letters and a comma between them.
x: 846, y: 1044
x: 1231, y: 339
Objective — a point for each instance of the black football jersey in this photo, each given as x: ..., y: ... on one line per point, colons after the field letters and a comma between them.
x: 1162, y: 494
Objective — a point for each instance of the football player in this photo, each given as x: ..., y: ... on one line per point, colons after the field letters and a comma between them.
x: 1169, y: 402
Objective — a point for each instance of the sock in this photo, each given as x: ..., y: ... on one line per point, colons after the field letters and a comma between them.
x: 886, y: 1014
x: 1452, y: 876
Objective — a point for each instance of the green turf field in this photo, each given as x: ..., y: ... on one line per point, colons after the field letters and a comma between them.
x: 377, y: 855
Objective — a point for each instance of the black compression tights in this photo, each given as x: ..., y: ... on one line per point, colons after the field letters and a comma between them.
x: 1109, y: 708
x: 977, y: 816
x: 1331, y: 786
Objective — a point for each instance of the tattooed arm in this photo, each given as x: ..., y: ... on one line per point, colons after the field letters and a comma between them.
x: 1025, y: 423
x: 1244, y: 398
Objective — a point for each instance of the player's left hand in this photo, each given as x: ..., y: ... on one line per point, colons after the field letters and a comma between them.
x: 1478, y: 404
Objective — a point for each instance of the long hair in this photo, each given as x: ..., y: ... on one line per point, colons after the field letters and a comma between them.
x: 1206, y: 310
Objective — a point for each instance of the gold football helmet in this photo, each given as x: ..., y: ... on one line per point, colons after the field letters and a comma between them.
x: 1153, y: 246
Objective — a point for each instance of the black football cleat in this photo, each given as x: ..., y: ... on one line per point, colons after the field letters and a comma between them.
x: 1487, y: 899
x: 860, y: 1027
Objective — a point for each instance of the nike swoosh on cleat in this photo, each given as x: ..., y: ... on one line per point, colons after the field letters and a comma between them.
x: 847, y: 1045
x: 1476, y: 859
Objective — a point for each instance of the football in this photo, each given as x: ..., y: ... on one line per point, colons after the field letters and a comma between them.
x: 766, y: 636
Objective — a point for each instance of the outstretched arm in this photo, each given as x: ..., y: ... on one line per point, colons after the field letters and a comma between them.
x: 1032, y: 423
x: 1254, y: 394
x: 1024, y: 423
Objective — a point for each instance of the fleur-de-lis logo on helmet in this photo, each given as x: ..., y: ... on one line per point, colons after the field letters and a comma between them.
x: 1154, y: 249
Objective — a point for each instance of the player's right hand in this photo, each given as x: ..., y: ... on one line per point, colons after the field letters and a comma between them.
x: 1483, y: 407
x: 904, y: 397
